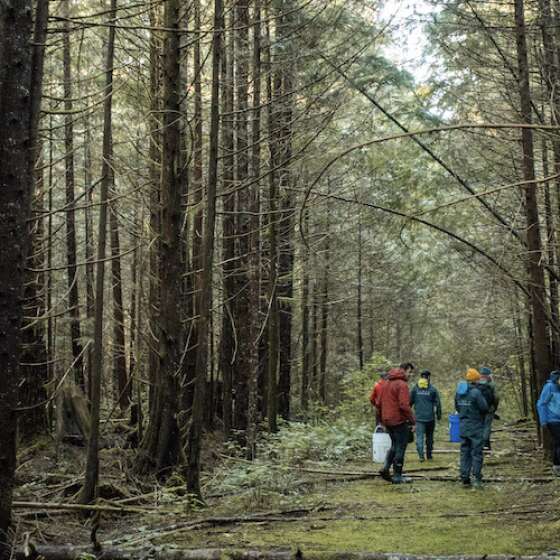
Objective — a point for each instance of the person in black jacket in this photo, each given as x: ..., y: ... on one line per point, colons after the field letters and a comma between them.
x: 425, y: 399
x: 488, y: 389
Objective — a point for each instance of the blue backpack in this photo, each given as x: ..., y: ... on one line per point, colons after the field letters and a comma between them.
x: 462, y: 388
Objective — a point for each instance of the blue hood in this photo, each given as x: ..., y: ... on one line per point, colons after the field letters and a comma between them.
x: 462, y: 388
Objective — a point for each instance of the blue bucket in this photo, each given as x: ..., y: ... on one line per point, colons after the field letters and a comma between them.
x: 454, y: 431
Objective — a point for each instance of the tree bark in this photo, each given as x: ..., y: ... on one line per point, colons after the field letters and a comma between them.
x: 286, y: 247
x: 34, y: 352
x: 536, y: 274
x: 194, y: 436
x: 89, y: 490
x: 227, y: 342
x: 89, y: 248
x: 305, y: 303
x: 73, y: 296
x: 242, y: 305
x: 325, y: 312
x: 16, y: 179
x: 359, y: 313
x: 120, y: 377
x: 254, y: 238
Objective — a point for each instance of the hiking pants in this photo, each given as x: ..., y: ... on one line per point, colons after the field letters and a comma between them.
x: 554, y: 430
x: 471, y: 456
x: 399, y: 441
x: 488, y: 419
x: 425, y: 430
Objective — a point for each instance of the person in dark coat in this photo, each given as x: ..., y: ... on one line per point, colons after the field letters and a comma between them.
x: 488, y: 389
x: 548, y: 407
x: 397, y: 417
x: 472, y: 409
x: 425, y: 399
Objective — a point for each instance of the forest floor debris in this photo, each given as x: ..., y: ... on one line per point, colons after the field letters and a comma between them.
x: 325, y: 506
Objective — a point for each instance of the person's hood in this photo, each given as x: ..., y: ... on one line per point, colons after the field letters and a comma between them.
x: 396, y: 373
x: 554, y: 376
x: 462, y: 388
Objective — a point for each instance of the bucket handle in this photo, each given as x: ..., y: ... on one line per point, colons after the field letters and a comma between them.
x: 379, y: 429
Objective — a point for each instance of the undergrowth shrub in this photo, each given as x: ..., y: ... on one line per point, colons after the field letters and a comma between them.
x: 335, y: 434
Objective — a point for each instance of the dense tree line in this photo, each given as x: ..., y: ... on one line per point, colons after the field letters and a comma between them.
x: 246, y: 171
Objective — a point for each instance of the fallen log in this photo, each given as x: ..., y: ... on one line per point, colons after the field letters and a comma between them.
x: 213, y: 521
x: 68, y: 552
x: 536, y: 480
x: 82, y: 507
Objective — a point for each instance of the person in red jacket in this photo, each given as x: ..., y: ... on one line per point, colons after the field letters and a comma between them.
x: 397, y: 417
x: 375, y: 394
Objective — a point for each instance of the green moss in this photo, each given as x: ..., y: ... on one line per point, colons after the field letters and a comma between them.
x: 427, y: 517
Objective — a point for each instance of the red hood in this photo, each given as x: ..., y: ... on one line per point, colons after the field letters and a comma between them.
x: 396, y: 373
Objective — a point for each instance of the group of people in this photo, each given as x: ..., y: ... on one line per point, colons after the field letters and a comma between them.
x: 402, y: 412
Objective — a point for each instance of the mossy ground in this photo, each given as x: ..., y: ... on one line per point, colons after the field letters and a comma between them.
x: 426, y: 517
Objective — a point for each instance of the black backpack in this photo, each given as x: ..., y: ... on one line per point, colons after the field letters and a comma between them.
x: 488, y: 394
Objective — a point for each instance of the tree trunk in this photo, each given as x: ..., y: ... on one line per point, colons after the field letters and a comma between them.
x: 170, y: 343
x: 551, y: 254
x: 274, y: 311
x: 536, y: 274
x: 285, y: 241
x: 197, y: 202
x: 305, y: 303
x: 155, y: 125
x: 16, y: 179
x: 161, y: 449
x: 359, y: 314
x: 521, y: 358
x: 120, y: 378
x: 227, y: 342
x: 34, y: 352
x: 325, y: 312
x: 254, y: 239
x: 89, y: 490
x: 194, y: 439
x: 73, y: 297
x: 90, y: 277
x: 242, y: 307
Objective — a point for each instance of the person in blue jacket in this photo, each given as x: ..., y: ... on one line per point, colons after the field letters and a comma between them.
x: 424, y: 397
x: 548, y: 408
x: 472, y: 409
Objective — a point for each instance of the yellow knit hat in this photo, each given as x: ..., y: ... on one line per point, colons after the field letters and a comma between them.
x: 472, y: 375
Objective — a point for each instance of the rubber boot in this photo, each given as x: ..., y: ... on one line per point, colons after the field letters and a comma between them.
x: 398, y: 477
x: 385, y: 472
x: 477, y: 483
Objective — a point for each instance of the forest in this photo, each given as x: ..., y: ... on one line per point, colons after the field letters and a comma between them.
x: 220, y: 221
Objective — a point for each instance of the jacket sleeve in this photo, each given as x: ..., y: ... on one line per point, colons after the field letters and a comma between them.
x: 438, y: 404
x: 542, y: 403
x: 404, y: 403
x: 413, y: 396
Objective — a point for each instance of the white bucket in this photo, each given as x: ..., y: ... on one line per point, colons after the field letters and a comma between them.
x: 380, y: 444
